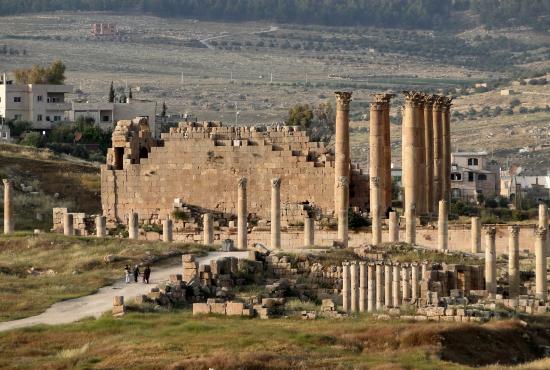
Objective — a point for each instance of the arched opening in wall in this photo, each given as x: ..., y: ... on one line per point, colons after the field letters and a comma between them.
x: 143, y: 153
x: 119, y: 157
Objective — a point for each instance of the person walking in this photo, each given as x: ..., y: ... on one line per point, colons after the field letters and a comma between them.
x: 136, y: 273
x: 127, y: 271
x: 146, y: 274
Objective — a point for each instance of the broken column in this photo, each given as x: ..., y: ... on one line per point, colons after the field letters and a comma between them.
x: 68, y: 224
x: 513, y: 261
x: 410, y: 159
x: 309, y: 231
x: 343, y: 193
x: 437, y: 114
x: 346, y: 285
x: 362, y: 286
x: 490, y: 261
x: 341, y: 144
x: 415, y: 281
x: 429, y: 153
x: 393, y: 227
x: 354, y: 287
x: 101, y: 226
x: 8, y: 210
x: 376, y: 170
x: 395, y: 289
x: 443, y: 227
x: 276, y: 213
x: 379, y: 286
x: 208, y: 229
x: 541, y: 290
x: 167, y: 228
x: 242, y: 214
x: 405, y: 287
x: 387, y: 285
x: 133, y: 226
x: 476, y: 235
x: 371, y: 287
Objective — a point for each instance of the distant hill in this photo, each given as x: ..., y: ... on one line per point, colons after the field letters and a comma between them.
x: 429, y: 14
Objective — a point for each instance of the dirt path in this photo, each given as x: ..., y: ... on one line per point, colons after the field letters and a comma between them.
x: 96, y: 304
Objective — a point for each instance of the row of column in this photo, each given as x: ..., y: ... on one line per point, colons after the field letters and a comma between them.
x: 369, y: 287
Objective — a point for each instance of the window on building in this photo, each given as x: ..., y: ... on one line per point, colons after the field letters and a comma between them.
x: 57, y: 118
x: 473, y: 162
x: 39, y: 98
x: 105, y: 119
x: 456, y: 176
x: 48, y: 118
x: 470, y: 176
x: 17, y: 99
x: 482, y: 177
x: 39, y: 117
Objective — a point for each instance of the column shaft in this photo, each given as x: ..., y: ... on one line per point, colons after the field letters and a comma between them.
x: 429, y: 153
x: 395, y: 289
x: 362, y: 286
x: 309, y: 232
x: 276, y: 213
x: 490, y: 261
x: 354, y: 277
x: 415, y: 281
x: 421, y: 195
x: 376, y: 170
x: 437, y: 112
x: 387, y: 178
x: 543, y: 222
x: 476, y: 235
x: 513, y: 262
x: 68, y: 224
x: 393, y: 227
x: 346, y: 285
x: 447, y: 150
x: 343, y: 195
x: 8, y: 210
x: 443, y: 227
x: 341, y: 144
x: 167, y: 231
x: 379, y: 287
x: 208, y: 229
x: 133, y: 226
x: 387, y: 285
x: 410, y: 226
x: 405, y: 287
x: 371, y: 288
x: 242, y: 214
x: 101, y: 226
x: 541, y: 267
x: 410, y: 151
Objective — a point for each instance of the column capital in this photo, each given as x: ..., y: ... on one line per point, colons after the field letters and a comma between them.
x: 429, y: 101
x: 383, y: 98
x: 490, y: 231
x: 514, y: 230
x: 343, y: 99
x: 540, y: 232
x: 242, y: 182
x: 276, y: 183
x: 7, y: 182
x: 447, y: 102
x: 439, y: 102
x: 412, y: 98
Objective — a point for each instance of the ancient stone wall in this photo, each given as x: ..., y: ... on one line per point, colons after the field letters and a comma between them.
x: 201, y: 164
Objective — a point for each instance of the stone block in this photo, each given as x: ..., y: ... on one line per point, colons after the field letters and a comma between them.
x: 118, y: 311
x: 201, y: 309
x: 234, y: 308
x: 118, y: 301
x: 218, y: 308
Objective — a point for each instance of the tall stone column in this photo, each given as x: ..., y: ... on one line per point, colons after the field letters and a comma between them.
x: 242, y: 214
x: 415, y: 281
x: 513, y: 261
x: 376, y: 171
x: 341, y: 146
x: 362, y: 286
x: 68, y: 224
x: 133, y: 226
x: 309, y: 232
x: 208, y: 229
x: 346, y: 286
x: 8, y: 210
x: 396, y: 289
x: 354, y: 288
x: 371, y: 287
x: 405, y: 287
x: 437, y: 121
x: 387, y: 178
x: 387, y: 285
x: 429, y: 153
x: 379, y: 286
x: 447, y: 150
x: 490, y: 261
x: 343, y: 195
x: 410, y: 151
x: 476, y: 235
x: 421, y: 196
x: 167, y: 231
x: 276, y: 213
x: 443, y: 227
x: 393, y: 227
x: 543, y: 222
x: 101, y: 226
x: 410, y: 225
x: 541, y: 267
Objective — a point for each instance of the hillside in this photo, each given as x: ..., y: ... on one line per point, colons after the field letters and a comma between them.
x: 43, y: 180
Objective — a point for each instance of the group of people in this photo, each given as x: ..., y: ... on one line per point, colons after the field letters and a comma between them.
x: 136, y: 273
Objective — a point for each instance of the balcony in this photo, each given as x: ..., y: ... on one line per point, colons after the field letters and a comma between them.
x: 66, y: 106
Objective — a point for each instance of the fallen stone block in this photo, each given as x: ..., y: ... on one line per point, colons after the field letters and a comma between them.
x: 201, y: 309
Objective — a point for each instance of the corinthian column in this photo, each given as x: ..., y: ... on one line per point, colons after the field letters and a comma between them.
x: 490, y: 261
x: 429, y: 153
x: 387, y: 178
x: 341, y: 145
x: 421, y: 195
x: 543, y: 221
x: 342, y: 188
x: 276, y: 213
x: 446, y: 115
x: 8, y: 211
x: 513, y: 261
x: 346, y: 286
x: 437, y: 114
x: 376, y: 171
x: 541, y: 290
x: 242, y: 214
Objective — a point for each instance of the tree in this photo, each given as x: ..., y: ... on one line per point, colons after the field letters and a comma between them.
x: 300, y: 115
x: 130, y: 96
x: 52, y: 75
x: 112, y: 93
x: 164, y: 110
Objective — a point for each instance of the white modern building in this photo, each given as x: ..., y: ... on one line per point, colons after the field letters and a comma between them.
x: 106, y: 115
x: 43, y: 105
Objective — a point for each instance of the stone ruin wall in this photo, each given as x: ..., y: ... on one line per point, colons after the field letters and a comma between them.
x: 201, y: 164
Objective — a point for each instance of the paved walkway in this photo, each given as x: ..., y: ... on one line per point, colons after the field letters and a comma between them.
x: 96, y: 304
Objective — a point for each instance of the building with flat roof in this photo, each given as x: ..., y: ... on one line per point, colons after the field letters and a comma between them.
x: 474, y: 174
x: 43, y: 105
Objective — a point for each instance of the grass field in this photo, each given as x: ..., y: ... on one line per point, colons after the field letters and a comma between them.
x: 66, y: 268
x: 180, y: 341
